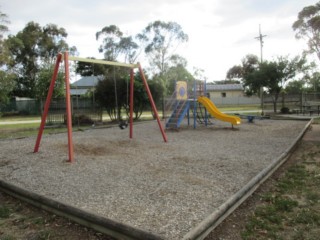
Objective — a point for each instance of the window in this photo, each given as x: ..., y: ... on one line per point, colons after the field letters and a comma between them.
x: 223, y: 94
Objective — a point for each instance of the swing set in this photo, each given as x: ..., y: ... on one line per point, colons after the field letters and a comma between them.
x: 66, y: 59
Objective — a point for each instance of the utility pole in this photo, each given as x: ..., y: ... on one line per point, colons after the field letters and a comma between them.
x: 260, y: 38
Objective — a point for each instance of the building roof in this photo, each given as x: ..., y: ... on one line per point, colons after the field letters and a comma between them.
x: 78, y: 91
x: 224, y: 87
x: 86, y: 82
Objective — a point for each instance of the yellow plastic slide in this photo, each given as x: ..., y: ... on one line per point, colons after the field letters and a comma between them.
x: 215, y: 112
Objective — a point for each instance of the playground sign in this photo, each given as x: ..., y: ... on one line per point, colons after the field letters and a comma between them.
x: 182, y: 93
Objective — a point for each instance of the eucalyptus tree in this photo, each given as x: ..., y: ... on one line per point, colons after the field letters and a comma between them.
x: 312, y: 77
x: 32, y: 49
x: 117, y: 47
x: 6, y: 85
x: 160, y: 40
x: 111, y: 95
x: 4, y: 21
x: 6, y: 77
x: 90, y: 69
x: 249, y: 64
x: 271, y: 75
x: 307, y: 26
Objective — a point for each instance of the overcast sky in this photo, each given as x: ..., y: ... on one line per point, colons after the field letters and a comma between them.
x: 221, y: 32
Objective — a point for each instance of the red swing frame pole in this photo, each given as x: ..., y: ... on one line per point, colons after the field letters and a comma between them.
x: 68, y: 105
x: 131, y: 102
x: 47, y: 103
x: 154, y: 108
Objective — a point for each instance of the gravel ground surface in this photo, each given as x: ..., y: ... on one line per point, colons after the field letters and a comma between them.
x: 163, y: 188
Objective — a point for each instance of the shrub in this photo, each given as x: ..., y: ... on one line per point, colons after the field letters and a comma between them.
x: 285, y: 110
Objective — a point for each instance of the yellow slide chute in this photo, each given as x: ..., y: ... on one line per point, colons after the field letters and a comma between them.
x: 215, y: 112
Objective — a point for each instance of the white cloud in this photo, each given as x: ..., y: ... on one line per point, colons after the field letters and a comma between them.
x: 221, y: 32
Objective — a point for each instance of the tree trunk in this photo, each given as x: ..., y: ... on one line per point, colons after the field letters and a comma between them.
x: 275, y: 102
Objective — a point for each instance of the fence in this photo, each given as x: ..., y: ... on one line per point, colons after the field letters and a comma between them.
x: 240, y: 100
x: 84, y: 110
x: 295, y: 101
x: 284, y: 100
x: 21, y: 107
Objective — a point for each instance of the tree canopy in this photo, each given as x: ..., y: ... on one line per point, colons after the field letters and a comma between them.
x: 249, y: 64
x: 29, y: 56
x: 115, y: 44
x: 32, y: 49
x: 307, y: 26
x: 4, y: 21
x: 112, y: 93
x: 176, y: 72
x: 6, y: 77
x: 6, y: 86
x: 270, y: 76
x: 160, y: 40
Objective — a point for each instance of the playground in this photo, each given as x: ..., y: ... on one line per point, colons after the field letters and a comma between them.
x: 148, y: 183
x: 163, y: 188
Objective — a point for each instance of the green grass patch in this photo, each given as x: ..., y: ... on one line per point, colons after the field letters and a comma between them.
x: 45, y: 235
x: 293, y: 180
x: 18, y: 126
x: 308, y: 217
x: 19, y: 118
x: 4, y: 211
x: 26, y: 130
x: 313, y: 197
x: 38, y: 221
x: 7, y: 237
x: 292, y: 209
x: 316, y: 120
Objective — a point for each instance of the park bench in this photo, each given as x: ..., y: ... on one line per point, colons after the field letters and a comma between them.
x: 311, y: 107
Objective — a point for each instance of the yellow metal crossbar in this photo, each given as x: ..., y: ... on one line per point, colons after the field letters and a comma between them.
x: 103, y: 62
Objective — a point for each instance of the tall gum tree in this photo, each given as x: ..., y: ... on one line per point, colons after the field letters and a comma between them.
x: 6, y: 76
x: 307, y: 26
x: 160, y: 41
x: 32, y: 49
x: 271, y: 75
x: 115, y: 45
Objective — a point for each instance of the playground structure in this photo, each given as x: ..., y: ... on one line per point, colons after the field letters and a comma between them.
x: 180, y: 105
x: 68, y: 102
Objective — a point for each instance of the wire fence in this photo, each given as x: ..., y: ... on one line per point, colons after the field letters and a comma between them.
x: 83, y: 110
x: 86, y: 110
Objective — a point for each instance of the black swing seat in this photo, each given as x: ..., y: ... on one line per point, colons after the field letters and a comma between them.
x: 123, y: 124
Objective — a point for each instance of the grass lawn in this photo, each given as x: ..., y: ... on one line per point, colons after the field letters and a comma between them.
x: 291, y: 209
x: 26, y: 130
x: 19, y: 118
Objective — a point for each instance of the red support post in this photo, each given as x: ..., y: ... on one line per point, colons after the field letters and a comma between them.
x: 47, y: 104
x: 131, y: 101
x: 154, y: 108
x: 68, y: 104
